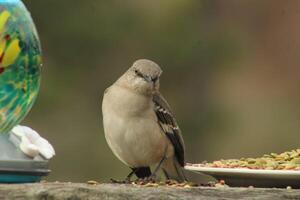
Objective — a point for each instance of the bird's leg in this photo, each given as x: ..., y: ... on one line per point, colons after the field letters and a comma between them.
x: 158, y: 166
x: 153, y: 175
x: 127, y: 179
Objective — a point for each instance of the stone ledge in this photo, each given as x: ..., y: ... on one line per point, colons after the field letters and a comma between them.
x: 80, y: 191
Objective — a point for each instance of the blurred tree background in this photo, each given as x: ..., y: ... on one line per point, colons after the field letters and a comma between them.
x: 231, y: 75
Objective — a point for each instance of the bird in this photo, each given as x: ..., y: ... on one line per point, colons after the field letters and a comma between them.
x: 140, y: 127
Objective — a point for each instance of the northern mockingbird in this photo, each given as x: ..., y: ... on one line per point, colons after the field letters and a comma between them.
x: 139, y: 126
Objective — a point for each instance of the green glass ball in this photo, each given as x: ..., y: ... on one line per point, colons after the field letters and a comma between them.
x: 20, y: 63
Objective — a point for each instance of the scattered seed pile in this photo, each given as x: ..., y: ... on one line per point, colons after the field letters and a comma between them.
x: 156, y: 183
x: 289, y: 160
x: 167, y: 183
x: 170, y: 183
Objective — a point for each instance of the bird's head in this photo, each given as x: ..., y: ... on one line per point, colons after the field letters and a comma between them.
x: 143, y: 76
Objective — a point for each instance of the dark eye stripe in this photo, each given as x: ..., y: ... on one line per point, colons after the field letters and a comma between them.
x: 138, y: 73
x: 154, y: 79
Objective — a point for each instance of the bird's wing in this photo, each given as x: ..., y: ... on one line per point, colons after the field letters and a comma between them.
x: 169, y: 126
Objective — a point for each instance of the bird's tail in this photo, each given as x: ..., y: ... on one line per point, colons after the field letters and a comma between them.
x: 142, y: 172
x: 173, y: 170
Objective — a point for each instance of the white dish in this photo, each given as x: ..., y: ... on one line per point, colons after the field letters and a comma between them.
x: 251, y: 177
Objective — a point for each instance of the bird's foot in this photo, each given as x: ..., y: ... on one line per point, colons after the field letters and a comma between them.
x: 152, y: 178
x: 149, y: 179
x: 126, y: 181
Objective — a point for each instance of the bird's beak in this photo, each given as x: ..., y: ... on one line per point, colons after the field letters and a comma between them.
x: 148, y: 78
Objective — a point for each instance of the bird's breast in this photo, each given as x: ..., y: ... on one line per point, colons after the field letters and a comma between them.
x: 125, y: 102
x: 131, y: 128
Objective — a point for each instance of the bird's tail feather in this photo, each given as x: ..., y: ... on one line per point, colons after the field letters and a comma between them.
x: 173, y: 170
x: 142, y: 172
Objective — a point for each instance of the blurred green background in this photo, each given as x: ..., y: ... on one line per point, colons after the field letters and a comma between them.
x: 231, y: 75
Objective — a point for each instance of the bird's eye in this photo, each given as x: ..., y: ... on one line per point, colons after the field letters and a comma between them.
x: 138, y: 73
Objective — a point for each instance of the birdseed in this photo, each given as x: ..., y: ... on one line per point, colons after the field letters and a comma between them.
x: 289, y: 160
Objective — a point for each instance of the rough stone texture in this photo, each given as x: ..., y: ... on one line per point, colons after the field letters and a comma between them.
x: 80, y: 191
